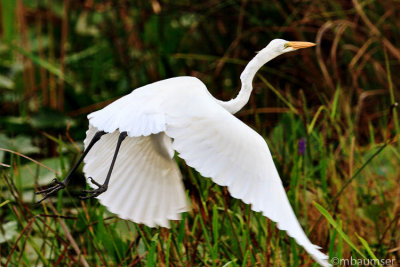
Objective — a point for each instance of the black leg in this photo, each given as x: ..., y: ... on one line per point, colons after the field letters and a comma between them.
x: 102, y: 188
x: 62, y: 184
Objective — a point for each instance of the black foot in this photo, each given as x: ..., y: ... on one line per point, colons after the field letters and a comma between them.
x: 95, y: 192
x: 51, y: 190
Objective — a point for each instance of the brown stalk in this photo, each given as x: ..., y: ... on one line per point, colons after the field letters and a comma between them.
x: 26, y: 228
x: 52, y: 79
x: 321, y: 62
x: 360, y: 53
x: 361, y: 100
x: 70, y: 138
x: 64, y: 35
x: 221, y: 62
x: 35, y: 161
x: 91, y: 108
x: 28, y: 70
x: 341, y: 29
x: 375, y: 31
x: 43, y: 72
x: 156, y: 6
x: 70, y: 238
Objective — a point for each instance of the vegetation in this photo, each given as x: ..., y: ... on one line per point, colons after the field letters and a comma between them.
x: 328, y: 115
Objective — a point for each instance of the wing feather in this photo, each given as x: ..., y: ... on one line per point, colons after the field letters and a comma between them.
x: 141, y: 180
x: 221, y: 147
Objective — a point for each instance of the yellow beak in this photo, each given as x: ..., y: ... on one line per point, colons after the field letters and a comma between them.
x: 299, y: 45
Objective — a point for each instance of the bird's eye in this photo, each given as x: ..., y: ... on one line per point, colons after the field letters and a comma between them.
x: 286, y: 45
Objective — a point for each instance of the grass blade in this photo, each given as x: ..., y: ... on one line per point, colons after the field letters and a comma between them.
x: 55, y: 70
x: 8, y: 19
x: 367, y: 247
x: 152, y: 252
x: 314, y: 120
x: 4, y: 203
x: 332, y: 222
x: 279, y: 95
x: 335, y: 103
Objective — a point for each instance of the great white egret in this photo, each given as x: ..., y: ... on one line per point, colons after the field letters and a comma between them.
x: 179, y: 114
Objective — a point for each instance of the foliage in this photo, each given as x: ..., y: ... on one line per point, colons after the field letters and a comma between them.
x: 60, y: 60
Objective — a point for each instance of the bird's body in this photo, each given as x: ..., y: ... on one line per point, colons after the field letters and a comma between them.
x: 179, y: 114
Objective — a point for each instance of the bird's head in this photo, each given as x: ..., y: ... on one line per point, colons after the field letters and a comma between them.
x: 275, y: 48
x: 280, y: 46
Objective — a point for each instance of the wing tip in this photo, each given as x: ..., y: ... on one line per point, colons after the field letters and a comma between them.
x: 312, y: 249
x: 301, y: 239
x: 322, y: 261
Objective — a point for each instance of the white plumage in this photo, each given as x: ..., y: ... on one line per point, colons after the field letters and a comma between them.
x: 146, y: 185
x: 206, y: 136
x: 179, y: 114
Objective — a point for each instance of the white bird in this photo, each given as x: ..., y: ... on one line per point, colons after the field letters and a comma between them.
x: 179, y: 114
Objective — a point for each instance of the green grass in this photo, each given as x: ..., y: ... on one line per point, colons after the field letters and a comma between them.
x: 340, y: 98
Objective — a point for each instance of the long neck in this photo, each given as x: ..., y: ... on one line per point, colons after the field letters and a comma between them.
x: 236, y: 104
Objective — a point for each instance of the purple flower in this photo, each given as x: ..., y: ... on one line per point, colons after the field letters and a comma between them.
x: 302, y: 146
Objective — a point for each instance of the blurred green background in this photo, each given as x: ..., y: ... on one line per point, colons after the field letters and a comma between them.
x: 60, y: 60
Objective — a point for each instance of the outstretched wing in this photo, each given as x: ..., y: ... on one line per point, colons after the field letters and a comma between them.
x: 220, y: 146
